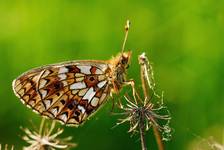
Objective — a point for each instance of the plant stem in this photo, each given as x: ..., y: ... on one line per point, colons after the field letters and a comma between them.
x: 146, y: 93
x: 142, y: 134
x: 144, y: 82
x: 158, y: 138
x: 143, y: 62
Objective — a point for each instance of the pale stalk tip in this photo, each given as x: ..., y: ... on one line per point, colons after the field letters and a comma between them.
x: 127, y: 26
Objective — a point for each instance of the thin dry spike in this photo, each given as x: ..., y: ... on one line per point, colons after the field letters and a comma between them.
x: 127, y: 98
x: 132, y: 83
x: 51, y: 128
x: 41, y: 126
x: 127, y: 26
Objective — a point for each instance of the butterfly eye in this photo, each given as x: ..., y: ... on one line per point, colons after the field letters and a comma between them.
x: 124, y: 61
x: 127, y: 66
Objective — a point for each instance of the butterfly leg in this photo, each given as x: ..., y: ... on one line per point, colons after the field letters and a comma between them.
x: 132, y: 84
x: 112, y: 109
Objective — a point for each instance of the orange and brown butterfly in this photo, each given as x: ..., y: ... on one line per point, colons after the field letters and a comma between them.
x: 72, y: 91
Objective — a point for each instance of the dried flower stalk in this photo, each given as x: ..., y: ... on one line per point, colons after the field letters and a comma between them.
x: 141, y: 113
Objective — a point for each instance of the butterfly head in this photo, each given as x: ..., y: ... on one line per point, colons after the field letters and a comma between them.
x: 124, y: 59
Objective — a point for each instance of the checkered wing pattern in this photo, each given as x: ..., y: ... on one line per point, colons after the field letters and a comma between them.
x: 69, y: 92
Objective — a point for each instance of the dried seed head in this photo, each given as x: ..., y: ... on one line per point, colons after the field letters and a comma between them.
x: 46, y: 138
x: 146, y: 115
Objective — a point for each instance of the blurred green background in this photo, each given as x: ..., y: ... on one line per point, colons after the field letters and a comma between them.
x: 184, y: 40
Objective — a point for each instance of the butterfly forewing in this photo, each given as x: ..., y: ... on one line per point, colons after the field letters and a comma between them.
x: 69, y: 92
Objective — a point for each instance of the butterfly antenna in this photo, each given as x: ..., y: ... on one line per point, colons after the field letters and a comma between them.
x: 127, y: 26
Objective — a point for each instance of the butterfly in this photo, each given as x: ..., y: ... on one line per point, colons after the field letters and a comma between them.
x: 72, y: 91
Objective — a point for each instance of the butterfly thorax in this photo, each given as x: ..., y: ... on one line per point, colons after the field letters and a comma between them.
x: 119, y: 65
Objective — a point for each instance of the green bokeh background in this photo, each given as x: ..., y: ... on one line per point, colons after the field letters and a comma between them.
x: 184, y: 40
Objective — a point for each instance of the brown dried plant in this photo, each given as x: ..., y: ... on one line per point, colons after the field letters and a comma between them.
x: 6, y: 147
x: 148, y: 112
x: 46, y: 138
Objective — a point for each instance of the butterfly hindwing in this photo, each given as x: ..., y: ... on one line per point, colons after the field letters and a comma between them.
x: 69, y: 92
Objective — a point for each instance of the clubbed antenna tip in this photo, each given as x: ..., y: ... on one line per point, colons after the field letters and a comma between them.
x: 127, y: 26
